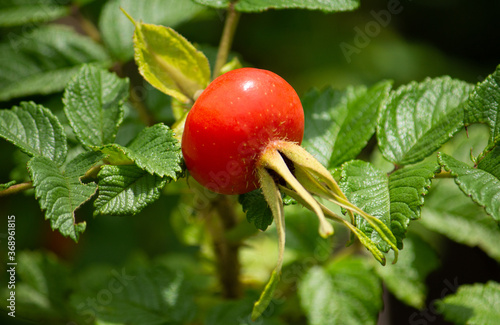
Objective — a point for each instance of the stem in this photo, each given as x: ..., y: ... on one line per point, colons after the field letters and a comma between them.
x: 226, y: 251
x: 16, y: 188
x: 226, y: 39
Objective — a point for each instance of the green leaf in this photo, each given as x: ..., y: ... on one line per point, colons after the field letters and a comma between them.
x: 368, y: 189
x: 7, y: 185
x: 15, y: 13
x: 406, y: 278
x: 483, y: 105
x: 347, y: 292
x: 117, y: 31
x: 256, y: 209
x: 149, y: 296
x: 43, y: 61
x: 340, y: 123
x: 154, y: 149
x: 480, y: 185
x: 449, y: 212
x: 473, y: 304
x: 490, y: 162
x: 60, y: 192
x: 407, y: 188
x: 93, y: 103
x: 169, y: 62
x: 35, y: 130
x: 126, y: 190
x: 420, y: 117
x: 42, y: 287
x: 261, y: 5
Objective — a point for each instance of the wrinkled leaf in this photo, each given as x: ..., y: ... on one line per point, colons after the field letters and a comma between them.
x: 154, y: 149
x: 407, y: 188
x: 420, y: 117
x: 60, y: 192
x: 340, y: 123
x: 480, y: 185
x: 126, y: 190
x: 35, y: 130
x: 256, y: 208
x: 483, y: 105
x: 93, y: 103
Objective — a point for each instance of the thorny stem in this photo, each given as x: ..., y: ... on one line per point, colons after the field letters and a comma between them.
x: 226, y: 39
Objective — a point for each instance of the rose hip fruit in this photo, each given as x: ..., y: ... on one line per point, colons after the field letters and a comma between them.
x: 231, y: 123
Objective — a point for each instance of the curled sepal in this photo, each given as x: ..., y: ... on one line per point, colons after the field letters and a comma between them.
x: 265, y: 297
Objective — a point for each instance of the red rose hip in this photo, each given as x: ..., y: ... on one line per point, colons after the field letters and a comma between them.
x: 231, y: 123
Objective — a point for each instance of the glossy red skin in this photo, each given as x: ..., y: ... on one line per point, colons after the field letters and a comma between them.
x: 231, y: 123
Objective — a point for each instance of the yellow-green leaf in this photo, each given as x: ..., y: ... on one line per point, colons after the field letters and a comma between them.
x: 169, y: 62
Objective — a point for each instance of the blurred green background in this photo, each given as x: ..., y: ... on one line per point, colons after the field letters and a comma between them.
x: 426, y: 39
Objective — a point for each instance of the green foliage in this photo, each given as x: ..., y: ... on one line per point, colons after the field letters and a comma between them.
x: 111, y: 147
x: 117, y: 31
x: 420, y: 117
x: 94, y: 105
x: 16, y: 13
x: 473, y: 304
x: 35, y: 130
x: 346, y: 292
x: 406, y: 278
x: 482, y: 106
x: 126, y: 190
x: 169, y: 62
x: 340, y: 123
x: 45, y: 60
x: 256, y: 209
x: 61, y: 192
x: 480, y: 185
x: 261, y: 5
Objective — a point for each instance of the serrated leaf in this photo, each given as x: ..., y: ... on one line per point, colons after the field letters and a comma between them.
x: 60, y: 192
x: 490, y: 162
x: 35, y: 130
x: 347, y: 292
x: 449, y: 212
x: 407, y: 188
x: 154, y: 149
x: 117, y: 31
x: 149, y: 296
x: 473, y: 304
x: 481, y: 186
x: 93, y: 103
x: 261, y: 5
x: 420, y: 117
x: 256, y: 209
x: 126, y: 190
x: 483, y: 105
x: 368, y: 189
x: 340, y: 123
x: 15, y: 13
x: 169, y: 62
x: 43, y: 61
x: 406, y: 278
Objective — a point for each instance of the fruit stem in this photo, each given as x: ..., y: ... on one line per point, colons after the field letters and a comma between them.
x: 230, y: 25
